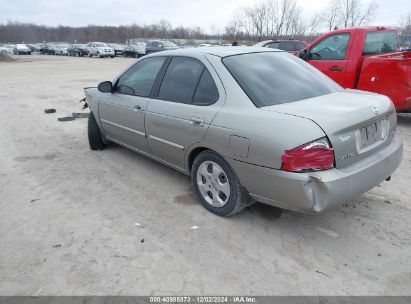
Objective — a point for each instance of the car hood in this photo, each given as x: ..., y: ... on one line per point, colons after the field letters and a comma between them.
x: 341, y: 115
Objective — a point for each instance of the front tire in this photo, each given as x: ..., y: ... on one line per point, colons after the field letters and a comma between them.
x: 216, y: 184
x: 94, y: 134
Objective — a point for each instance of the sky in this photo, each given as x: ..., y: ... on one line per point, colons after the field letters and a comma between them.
x: 208, y: 14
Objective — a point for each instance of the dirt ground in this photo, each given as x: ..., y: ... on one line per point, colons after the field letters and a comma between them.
x: 68, y: 215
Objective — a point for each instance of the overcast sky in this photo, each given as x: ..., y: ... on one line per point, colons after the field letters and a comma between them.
x: 203, y: 13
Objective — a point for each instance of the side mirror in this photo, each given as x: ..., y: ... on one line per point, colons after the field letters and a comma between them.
x: 105, y: 87
x: 160, y: 46
x: 304, y: 54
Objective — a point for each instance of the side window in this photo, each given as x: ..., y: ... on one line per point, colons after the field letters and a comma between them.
x: 333, y: 47
x: 140, y: 78
x: 287, y: 46
x: 207, y: 92
x: 380, y: 42
x: 274, y: 45
x: 181, y: 79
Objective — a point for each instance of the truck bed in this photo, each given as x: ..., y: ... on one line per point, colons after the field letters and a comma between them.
x: 388, y: 74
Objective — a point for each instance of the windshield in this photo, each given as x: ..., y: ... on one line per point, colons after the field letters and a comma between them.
x: 272, y: 78
x: 100, y: 44
x: 380, y: 42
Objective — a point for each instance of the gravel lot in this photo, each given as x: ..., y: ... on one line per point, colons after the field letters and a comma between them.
x: 68, y: 215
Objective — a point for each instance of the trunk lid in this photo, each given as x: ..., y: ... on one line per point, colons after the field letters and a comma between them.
x: 356, y: 123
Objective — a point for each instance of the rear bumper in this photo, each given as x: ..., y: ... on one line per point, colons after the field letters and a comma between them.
x: 317, y: 191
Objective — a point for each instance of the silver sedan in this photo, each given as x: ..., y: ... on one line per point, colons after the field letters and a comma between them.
x: 249, y: 124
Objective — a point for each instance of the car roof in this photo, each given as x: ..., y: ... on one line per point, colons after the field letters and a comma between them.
x: 220, y: 51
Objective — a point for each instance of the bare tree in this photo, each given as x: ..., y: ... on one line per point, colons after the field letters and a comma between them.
x: 405, y: 25
x: 331, y: 15
x: 405, y: 29
x: 353, y: 13
x: 268, y: 19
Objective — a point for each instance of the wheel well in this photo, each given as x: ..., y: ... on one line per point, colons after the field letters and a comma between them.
x: 193, y: 155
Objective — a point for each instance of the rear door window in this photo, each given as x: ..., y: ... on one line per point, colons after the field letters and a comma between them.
x: 380, y: 42
x: 206, y: 92
x: 181, y: 79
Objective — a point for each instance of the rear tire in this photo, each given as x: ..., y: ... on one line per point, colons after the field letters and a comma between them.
x: 216, y: 184
x: 94, y: 134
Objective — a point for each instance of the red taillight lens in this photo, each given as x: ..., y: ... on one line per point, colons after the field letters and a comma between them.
x: 313, y: 156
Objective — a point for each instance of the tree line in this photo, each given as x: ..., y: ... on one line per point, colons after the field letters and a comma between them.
x: 261, y: 20
x: 15, y: 32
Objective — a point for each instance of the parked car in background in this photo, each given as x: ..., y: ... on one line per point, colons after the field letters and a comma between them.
x: 364, y: 58
x: 160, y: 45
x: 186, y: 46
x: 100, y: 49
x: 50, y: 48
x: 135, y: 50
x: 291, y: 46
x: 33, y: 48
x: 3, y: 49
x: 78, y: 50
x: 285, y: 135
x: 204, y: 45
x: 6, y: 48
x: 118, y: 48
x: 61, y: 49
x: 43, y: 49
x: 21, y: 49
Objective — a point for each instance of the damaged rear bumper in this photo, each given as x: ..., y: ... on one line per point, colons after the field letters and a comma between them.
x: 317, y: 191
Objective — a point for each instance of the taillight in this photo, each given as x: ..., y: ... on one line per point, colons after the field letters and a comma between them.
x: 313, y: 156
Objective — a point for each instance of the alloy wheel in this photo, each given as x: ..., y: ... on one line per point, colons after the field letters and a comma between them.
x: 213, y: 184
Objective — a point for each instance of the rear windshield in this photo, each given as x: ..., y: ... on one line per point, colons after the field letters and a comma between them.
x: 380, y: 42
x: 272, y: 78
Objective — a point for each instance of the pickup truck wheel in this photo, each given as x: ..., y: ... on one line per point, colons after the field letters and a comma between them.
x: 216, y: 184
x: 90, y: 55
x: 94, y: 134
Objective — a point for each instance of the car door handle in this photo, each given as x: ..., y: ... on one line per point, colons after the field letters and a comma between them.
x: 196, y: 121
x: 138, y: 108
x: 335, y: 68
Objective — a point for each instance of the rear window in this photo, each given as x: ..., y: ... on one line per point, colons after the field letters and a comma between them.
x: 272, y: 78
x: 380, y: 42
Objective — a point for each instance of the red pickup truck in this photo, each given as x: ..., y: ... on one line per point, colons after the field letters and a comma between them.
x: 364, y: 58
